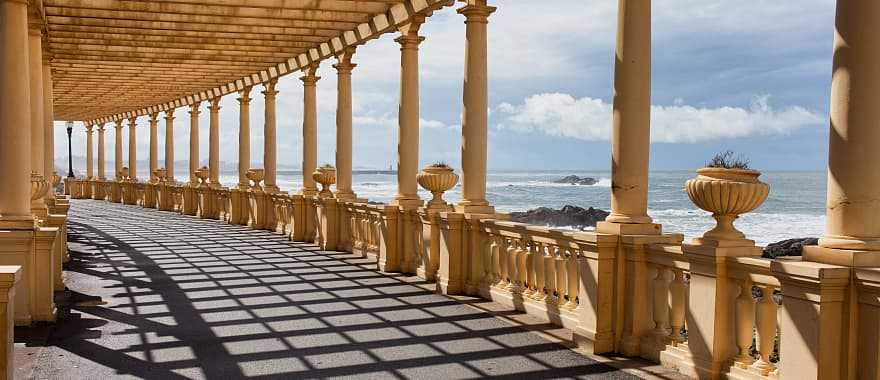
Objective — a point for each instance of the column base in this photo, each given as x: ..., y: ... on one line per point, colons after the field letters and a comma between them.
x: 842, y: 257
x: 614, y: 228
x: 474, y: 207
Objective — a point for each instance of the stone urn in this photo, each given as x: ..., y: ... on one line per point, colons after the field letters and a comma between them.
x: 326, y: 176
x: 437, y: 179
x: 161, y: 174
x: 202, y: 174
x: 726, y: 193
x: 123, y: 173
x: 256, y: 177
x: 56, y: 179
x: 39, y: 186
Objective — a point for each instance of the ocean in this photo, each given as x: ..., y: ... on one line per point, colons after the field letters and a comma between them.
x: 795, y: 207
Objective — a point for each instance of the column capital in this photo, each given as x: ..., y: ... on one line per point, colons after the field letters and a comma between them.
x: 194, y: 109
x: 409, y: 41
x: 101, y: 127
x: 309, y: 78
x: 478, y: 13
x: 132, y: 122
x: 244, y: 97
x: 118, y: 123
x: 169, y: 115
x: 154, y: 118
x: 215, y: 105
x: 270, y: 88
x: 412, y: 28
x: 89, y: 129
x: 344, y: 65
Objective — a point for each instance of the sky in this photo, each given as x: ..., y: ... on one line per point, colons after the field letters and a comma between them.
x: 752, y: 76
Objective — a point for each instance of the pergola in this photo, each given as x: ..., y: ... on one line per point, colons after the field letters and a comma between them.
x: 626, y: 287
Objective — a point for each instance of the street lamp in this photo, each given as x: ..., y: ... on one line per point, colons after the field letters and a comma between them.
x: 69, y: 150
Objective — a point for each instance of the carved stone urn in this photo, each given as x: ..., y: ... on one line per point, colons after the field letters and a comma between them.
x: 202, y: 174
x: 326, y: 176
x: 727, y: 194
x: 437, y: 179
x: 256, y: 177
x: 123, y: 173
x: 56, y: 179
x: 39, y: 186
x: 161, y: 174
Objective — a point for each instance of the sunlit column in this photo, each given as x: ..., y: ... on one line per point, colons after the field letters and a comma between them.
x: 101, y: 153
x: 310, y: 129
x: 194, y: 142
x: 48, y: 130
x: 632, y: 114
x: 475, y: 115
x: 169, y: 145
x: 343, y: 124
x: 270, y: 155
x: 89, y: 153
x: 118, y: 151
x: 408, y: 116
x: 214, y: 137
x: 15, y: 132
x: 35, y: 72
x: 132, y: 147
x: 154, y: 144
x: 853, y: 209
x: 244, y: 137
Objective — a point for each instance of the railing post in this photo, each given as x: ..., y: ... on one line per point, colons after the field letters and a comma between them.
x: 450, y: 274
x: 9, y: 276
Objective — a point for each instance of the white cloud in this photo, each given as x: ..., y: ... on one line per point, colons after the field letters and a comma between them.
x: 590, y: 119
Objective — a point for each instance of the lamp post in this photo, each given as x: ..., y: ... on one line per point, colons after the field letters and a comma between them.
x: 69, y: 149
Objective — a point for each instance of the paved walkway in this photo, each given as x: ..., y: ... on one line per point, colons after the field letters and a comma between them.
x: 162, y: 296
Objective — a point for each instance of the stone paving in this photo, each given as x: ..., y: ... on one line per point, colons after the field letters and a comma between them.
x: 162, y: 296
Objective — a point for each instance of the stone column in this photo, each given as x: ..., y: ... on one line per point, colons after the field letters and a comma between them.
x: 474, y: 117
x: 270, y: 155
x: 132, y: 148
x: 343, y: 124
x: 118, y: 152
x: 89, y: 155
x: 169, y: 145
x: 632, y: 114
x: 853, y: 209
x: 101, y: 157
x: 49, y: 130
x: 408, y: 117
x: 154, y: 144
x: 15, y: 132
x: 194, y: 142
x: 310, y: 129
x: 214, y: 148
x: 244, y: 137
x: 35, y: 72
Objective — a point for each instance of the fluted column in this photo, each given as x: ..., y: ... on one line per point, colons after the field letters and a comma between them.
x: 154, y: 145
x: 244, y: 137
x: 408, y: 116
x: 48, y: 130
x: 630, y: 141
x: 270, y: 155
x: 132, y: 148
x: 214, y: 137
x: 343, y: 124
x: 118, y: 151
x: 89, y: 154
x: 194, y: 142
x: 101, y: 154
x: 169, y: 145
x: 310, y: 129
x: 475, y: 118
x: 15, y: 132
x: 35, y: 72
x: 853, y: 197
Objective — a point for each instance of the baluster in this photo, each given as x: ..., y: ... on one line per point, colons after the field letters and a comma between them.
x: 676, y: 306
x: 510, y: 265
x: 661, y: 303
x: 561, y: 283
x: 571, y: 277
x: 766, y: 323
x: 745, y: 322
x: 521, y: 273
x: 493, y: 269
x: 538, y: 259
x: 529, y: 270
x: 549, y: 272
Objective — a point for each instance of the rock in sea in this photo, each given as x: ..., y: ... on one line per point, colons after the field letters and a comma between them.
x: 575, y: 180
x: 790, y: 247
x: 567, y: 216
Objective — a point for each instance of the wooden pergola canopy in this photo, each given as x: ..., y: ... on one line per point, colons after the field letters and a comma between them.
x: 114, y: 59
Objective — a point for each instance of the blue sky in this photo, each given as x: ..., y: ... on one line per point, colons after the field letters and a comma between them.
x: 751, y: 75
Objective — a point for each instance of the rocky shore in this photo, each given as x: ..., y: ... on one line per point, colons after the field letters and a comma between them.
x: 567, y: 216
x: 790, y: 247
x: 575, y: 180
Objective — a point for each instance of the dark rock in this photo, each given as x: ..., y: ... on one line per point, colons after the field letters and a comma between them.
x: 790, y: 247
x: 568, y: 216
x: 575, y: 180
